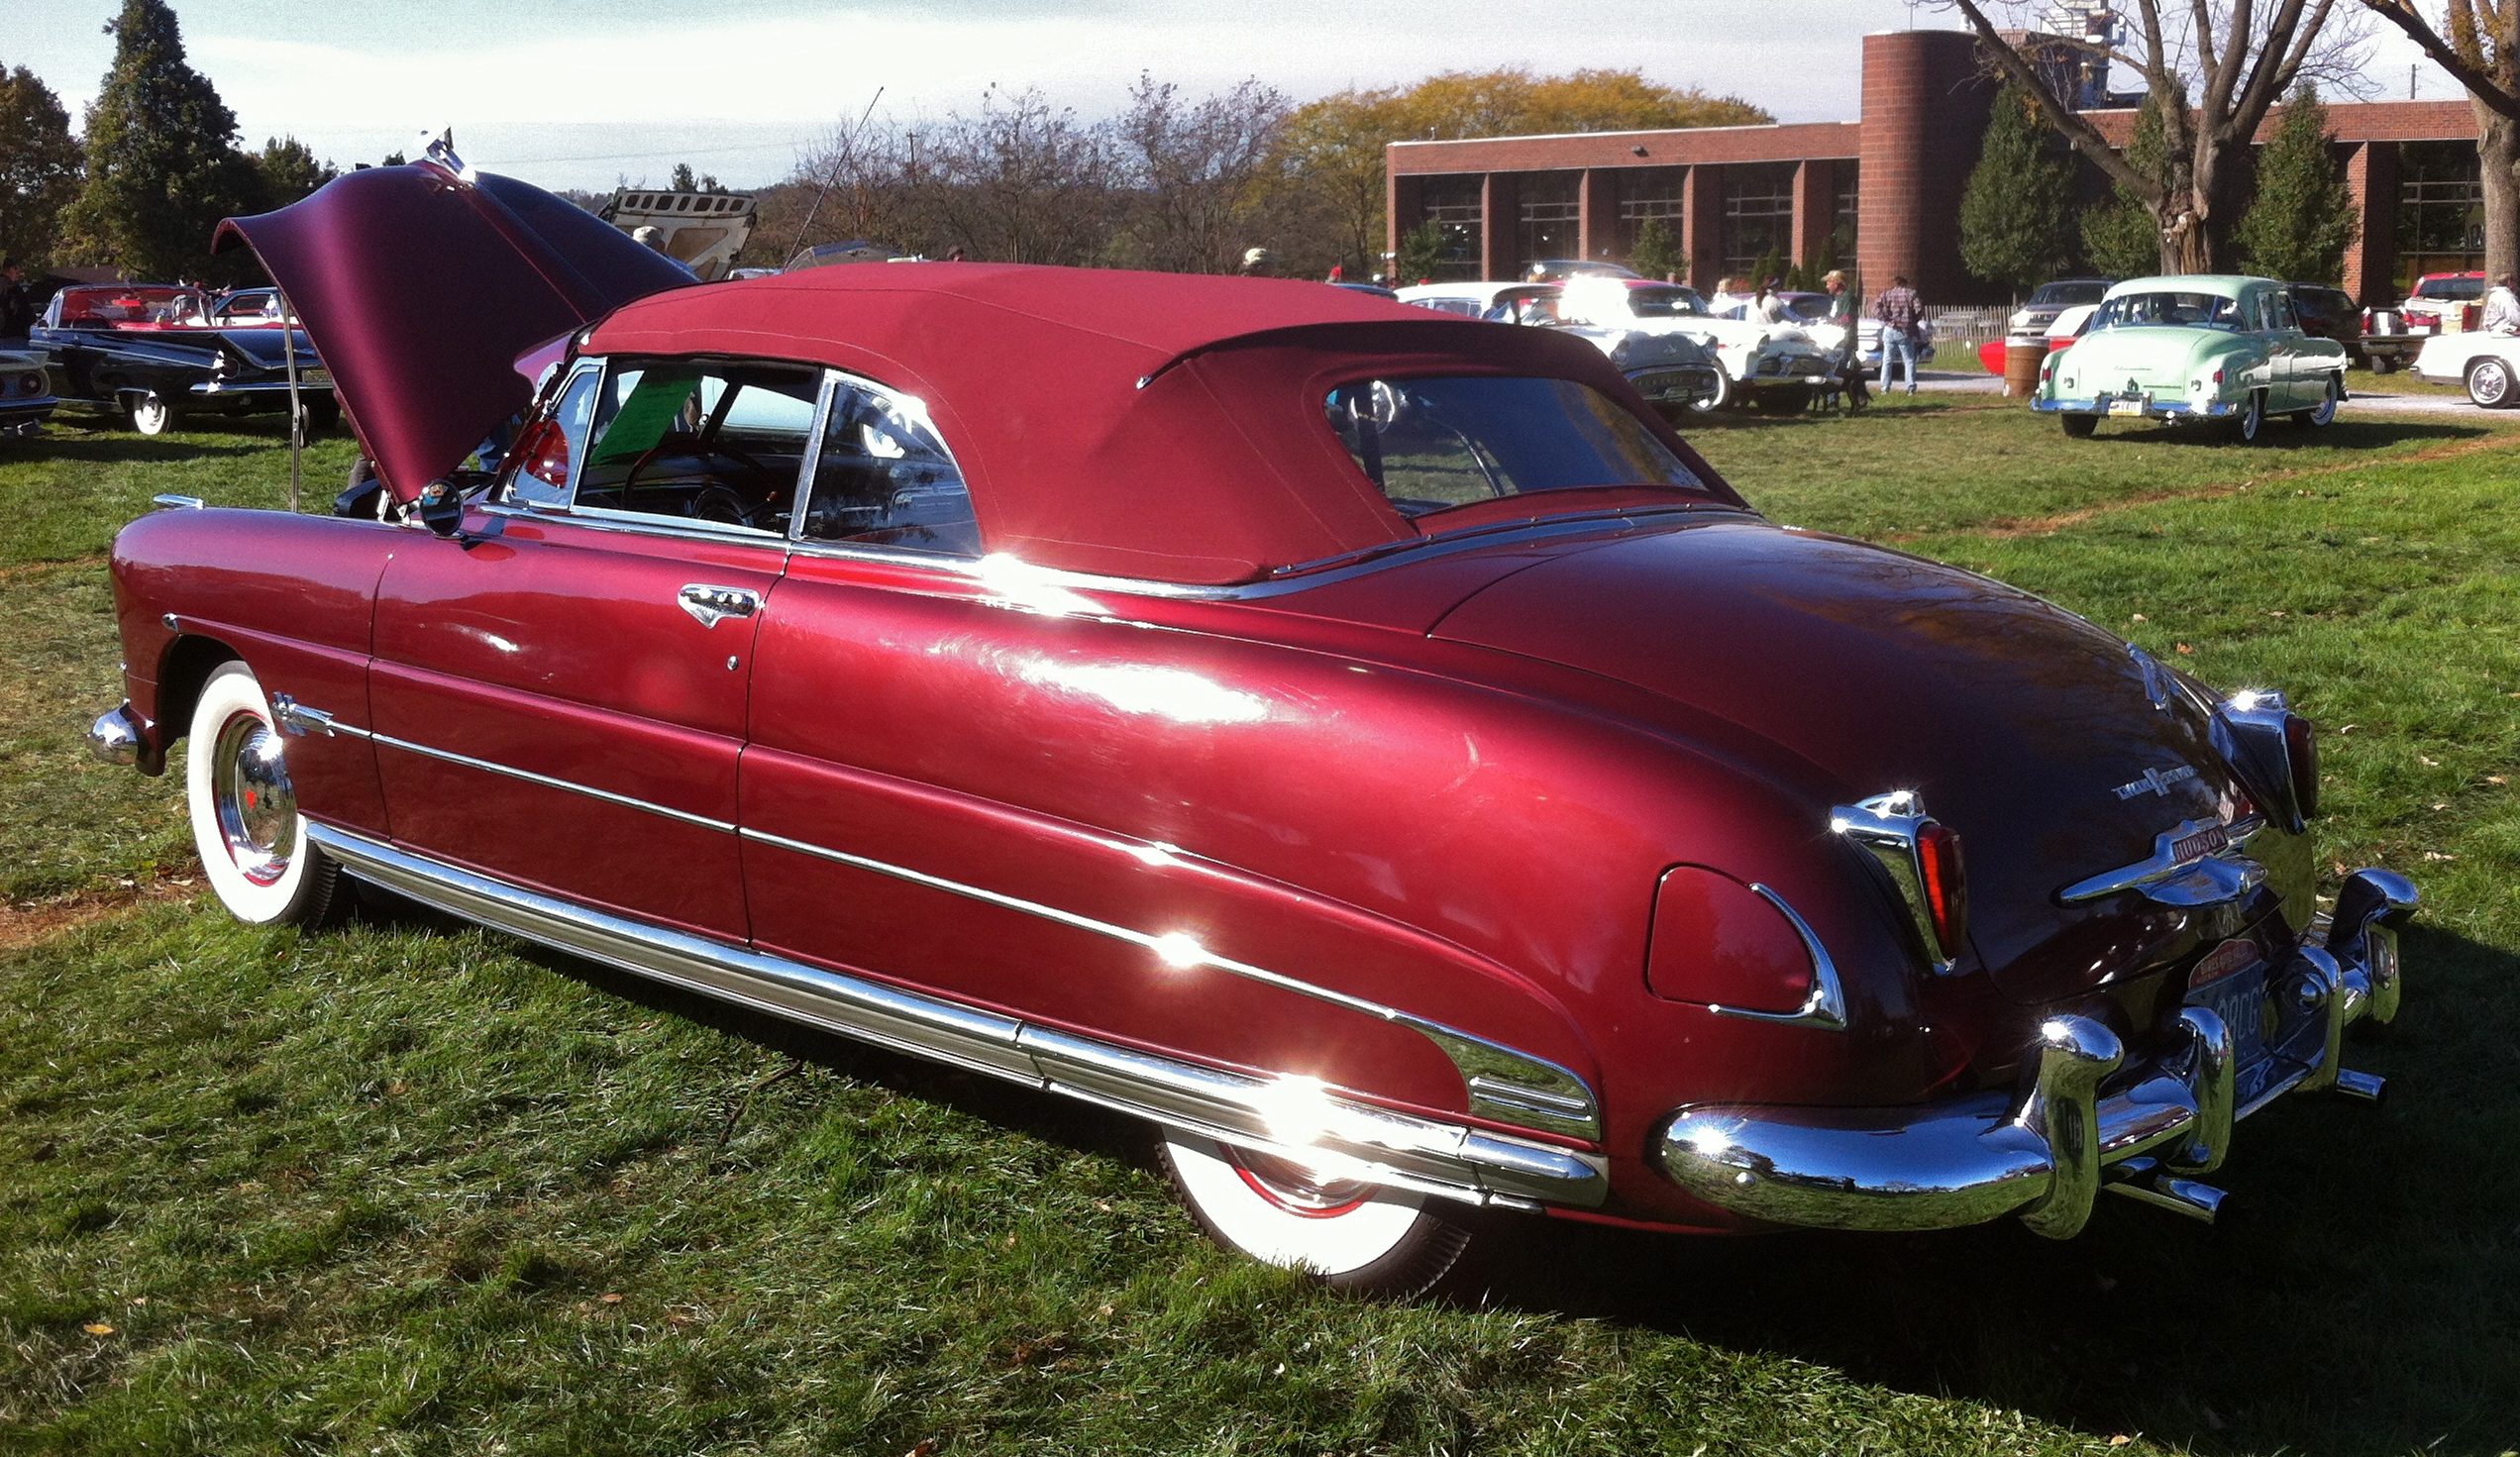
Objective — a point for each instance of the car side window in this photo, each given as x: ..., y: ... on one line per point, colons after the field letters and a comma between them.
x: 2279, y: 312
x: 711, y: 441
x: 886, y: 478
x: 538, y: 464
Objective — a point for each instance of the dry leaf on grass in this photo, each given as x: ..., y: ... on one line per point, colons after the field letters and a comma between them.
x: 97, y: 1327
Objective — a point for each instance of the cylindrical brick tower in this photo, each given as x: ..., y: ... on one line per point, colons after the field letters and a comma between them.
x: 1925, y: 103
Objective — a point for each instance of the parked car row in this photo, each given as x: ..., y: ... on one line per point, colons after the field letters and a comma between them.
x: 1752, y: 362
x: 1375, y: 750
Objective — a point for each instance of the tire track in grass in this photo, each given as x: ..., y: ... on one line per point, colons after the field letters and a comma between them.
x: 2006, y: 528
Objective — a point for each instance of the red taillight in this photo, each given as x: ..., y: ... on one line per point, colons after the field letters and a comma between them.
x: 2301, y: 756
x: 2218, y: 376
x: 1945, y: 883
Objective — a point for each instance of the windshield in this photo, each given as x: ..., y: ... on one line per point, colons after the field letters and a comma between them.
x: 2450, y: 288
x: 1432, y: 445
x: 141, y: 305
x: 2067, y: 293
x: 1666, y: 302
x: 2175, y: 310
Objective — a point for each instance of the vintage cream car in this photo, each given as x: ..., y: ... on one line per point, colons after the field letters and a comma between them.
x: 2194, y: 346
x: 2489, y: 364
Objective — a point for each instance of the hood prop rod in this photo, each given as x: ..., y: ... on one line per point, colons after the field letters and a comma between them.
x: 297, y: 415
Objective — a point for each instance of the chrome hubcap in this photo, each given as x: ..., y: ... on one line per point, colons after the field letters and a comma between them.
x: 256, y: 808
x: 1292, y: 1187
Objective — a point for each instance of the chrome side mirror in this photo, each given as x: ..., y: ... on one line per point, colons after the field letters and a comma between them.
x: 441, y: 509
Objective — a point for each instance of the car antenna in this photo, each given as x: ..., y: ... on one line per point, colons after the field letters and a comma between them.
x: 848, y: 145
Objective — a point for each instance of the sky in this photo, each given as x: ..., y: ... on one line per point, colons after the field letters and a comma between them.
x: 592, y: 93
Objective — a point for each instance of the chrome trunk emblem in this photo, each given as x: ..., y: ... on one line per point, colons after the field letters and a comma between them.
x: 2156, y: 782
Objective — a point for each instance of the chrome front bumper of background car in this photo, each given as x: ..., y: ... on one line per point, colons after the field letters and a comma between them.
x: 2047, y: 1153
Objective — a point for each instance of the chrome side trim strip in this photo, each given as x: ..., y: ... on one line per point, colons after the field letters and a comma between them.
x: 569, y: 787
x: 1505, y: 1083
x: 1290, y: 1116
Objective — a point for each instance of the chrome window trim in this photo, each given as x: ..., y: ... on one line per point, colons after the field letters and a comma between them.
x: 506, y: 481
x: 1434, y: 1155
x: 674, y: 525
x: 833, y: 382
x: 1503, y: 1082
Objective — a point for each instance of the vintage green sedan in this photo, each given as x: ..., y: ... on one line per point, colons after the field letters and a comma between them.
x: 2195, y: 346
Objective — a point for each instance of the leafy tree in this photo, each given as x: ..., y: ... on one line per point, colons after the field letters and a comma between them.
x: 1421, y: 251
x: 683, y: 180
x: 1657, y: 254
x: 394, y: 159
x: 2122, y: 237
x: 2303, y: 218
x: 38, y: 165
x: 2242, y: 59
x: 2014, y: 215
x: 290, y: 170
x: 162, y: 166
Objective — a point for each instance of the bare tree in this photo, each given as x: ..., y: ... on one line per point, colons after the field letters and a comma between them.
x: 1021, y: 181
x: 2478, y: 44
x: 2215, y: 67
x: 1197, y: 169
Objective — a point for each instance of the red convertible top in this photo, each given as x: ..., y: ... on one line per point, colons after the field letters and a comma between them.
x: 1147, y: 425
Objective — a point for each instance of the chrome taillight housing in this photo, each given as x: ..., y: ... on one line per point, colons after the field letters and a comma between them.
x: 2276, y: 752
x: 1922, y: 858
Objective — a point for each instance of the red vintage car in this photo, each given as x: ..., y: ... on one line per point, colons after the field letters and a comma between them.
x: 1373, y: 748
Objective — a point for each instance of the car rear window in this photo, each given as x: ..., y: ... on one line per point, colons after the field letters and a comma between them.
x: 1431, y: 445
x: 2065, y: 295
x: 2450, y: 288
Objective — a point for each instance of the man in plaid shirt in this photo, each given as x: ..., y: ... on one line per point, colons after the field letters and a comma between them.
x: 1902, y: 317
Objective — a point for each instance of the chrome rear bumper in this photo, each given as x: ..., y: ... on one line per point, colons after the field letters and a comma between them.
x: 2047, y: 1153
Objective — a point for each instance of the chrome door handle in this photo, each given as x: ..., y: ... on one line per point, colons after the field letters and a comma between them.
x: 708, y: 605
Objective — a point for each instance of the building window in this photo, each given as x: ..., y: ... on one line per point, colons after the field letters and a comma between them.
x: 1758, y: 215
x: 1651, y: 192
x: 2441, y: 210
x: 1453, y: 205
x: 1841, y: 217
x: 1547, y: 205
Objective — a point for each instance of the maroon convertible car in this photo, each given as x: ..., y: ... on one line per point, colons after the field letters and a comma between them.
x: 1371, y: 747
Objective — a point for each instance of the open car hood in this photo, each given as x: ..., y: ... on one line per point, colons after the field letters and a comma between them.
x: 421, y: 285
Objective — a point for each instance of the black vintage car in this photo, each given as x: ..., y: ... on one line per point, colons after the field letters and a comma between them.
x: 26, y: 400
x: 151, y: 352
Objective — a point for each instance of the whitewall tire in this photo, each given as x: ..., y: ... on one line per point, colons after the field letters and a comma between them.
x: 243, y: 809
x: 2324, y: 412
x: 1726, y: 392
x: 1348, y: 1234
x: 149, y: 413
x: 2252, y: 417
x: 2489, y: 383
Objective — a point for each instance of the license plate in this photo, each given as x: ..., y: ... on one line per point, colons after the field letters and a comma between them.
x: 2231, y: 982
x: 2126, y: 407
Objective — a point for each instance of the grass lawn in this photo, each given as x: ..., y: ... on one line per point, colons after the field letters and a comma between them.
x: 412, y: 1188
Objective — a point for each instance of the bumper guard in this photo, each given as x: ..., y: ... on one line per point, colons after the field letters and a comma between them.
x: 2047, y: 1153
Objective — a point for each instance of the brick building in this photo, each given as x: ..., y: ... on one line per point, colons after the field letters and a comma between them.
x: 1881, y: 194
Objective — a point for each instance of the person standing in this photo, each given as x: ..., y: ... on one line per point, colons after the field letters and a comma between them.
x: 2502, y: 307
x: 1769, y: 306
x: 1843, y: 313
x: 1902, y: 316
x: 17, y: 310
